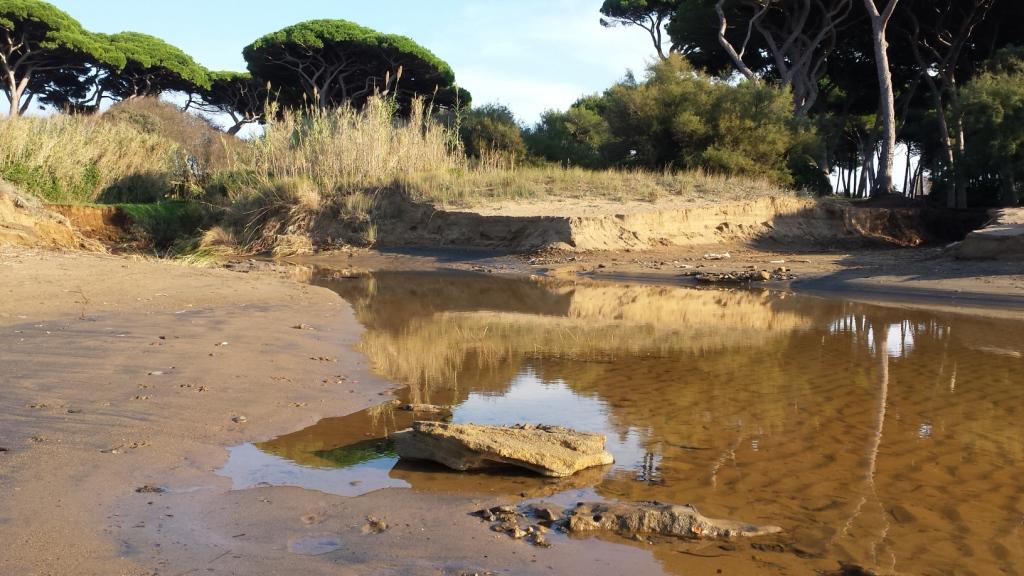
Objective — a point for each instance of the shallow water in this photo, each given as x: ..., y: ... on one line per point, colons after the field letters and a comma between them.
x: 887, y: 437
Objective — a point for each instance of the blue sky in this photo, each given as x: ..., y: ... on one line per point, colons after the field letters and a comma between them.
x: 528, y: 54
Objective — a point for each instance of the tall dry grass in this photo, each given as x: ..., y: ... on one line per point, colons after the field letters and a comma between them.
x: 73, y: 159
x: 139, y: 151
x: 345, y: 149
x: 320, y: 172
x: 484, y: 185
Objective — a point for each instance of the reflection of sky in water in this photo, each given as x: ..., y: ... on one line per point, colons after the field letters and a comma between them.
x: 250, y: 467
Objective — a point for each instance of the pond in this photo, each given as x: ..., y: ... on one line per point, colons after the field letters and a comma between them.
x: 883, y: 436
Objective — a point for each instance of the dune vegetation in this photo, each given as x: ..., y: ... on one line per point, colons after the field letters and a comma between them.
x: 307, y: 166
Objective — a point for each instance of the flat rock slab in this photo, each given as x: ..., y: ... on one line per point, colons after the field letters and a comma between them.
x: 546, y: 450
x: 629, y: 519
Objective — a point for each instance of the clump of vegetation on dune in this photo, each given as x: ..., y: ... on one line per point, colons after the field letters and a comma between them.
x: 141, y: 150
x: 321, y: 170
x: 321, y: 173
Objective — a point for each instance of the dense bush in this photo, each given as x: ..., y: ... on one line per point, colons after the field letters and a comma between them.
x: 141, y: 150
x: 579, y: 136
x: 680, y: 118
x: 491, y: 130
x: 993, y: 107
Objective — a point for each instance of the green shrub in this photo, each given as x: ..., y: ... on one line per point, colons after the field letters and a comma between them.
x: 580, y: 136
x: 491, y: 131
x: 993, y: 104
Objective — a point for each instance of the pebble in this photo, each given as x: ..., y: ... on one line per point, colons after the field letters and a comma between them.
x: 375, y: 525
x: 150, y: 489
x: 239, y: 419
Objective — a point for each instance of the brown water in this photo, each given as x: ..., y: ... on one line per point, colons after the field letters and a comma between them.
x: 887, y: 437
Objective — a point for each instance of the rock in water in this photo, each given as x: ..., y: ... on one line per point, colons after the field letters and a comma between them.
x: 656, y: 518
x: 546, y: 450
x: 424, y: 408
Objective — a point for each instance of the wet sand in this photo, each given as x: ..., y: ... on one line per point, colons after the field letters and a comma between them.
x: 116, y: 375
x: 923, y: 277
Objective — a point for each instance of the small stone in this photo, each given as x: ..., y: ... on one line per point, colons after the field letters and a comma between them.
x: 150, y: 489
x: 239, y: 419
x: 546, y: 513
x: 485, y: 514
x: 902, y: 515
x: 375, y: 525
x: 846, y: 569
x: 423, y: 408
x: 769, y: 546
x: 540, y: 541
x: 714, y: 256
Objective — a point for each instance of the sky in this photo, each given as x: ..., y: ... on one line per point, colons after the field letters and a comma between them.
x: 531, y: 55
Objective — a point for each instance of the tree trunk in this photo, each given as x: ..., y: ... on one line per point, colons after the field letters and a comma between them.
x: 887, y: 100
x: 736, y: 57
x: 14, y: 90
x: 906, y: 174
x: 16, y: 94
x: 25, y: 105
x: 958, y: 154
